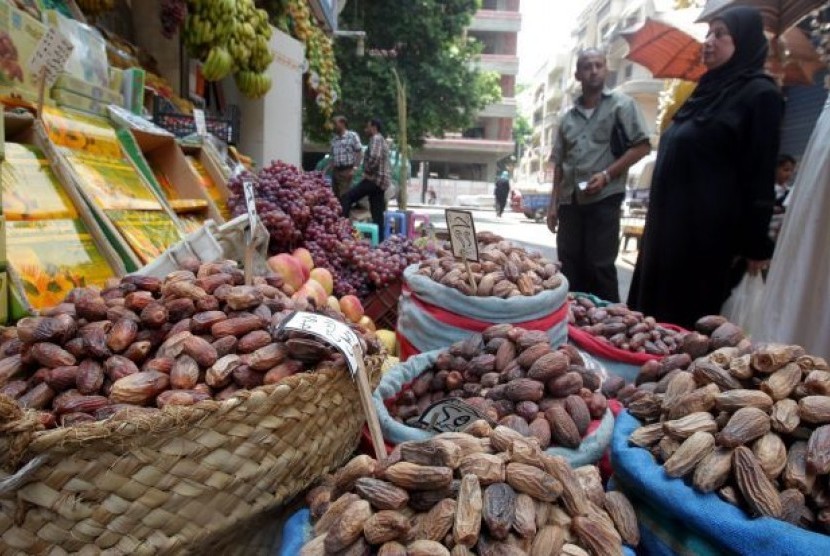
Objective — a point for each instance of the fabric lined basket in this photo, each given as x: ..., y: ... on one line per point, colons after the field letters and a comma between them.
x: 181, y: 480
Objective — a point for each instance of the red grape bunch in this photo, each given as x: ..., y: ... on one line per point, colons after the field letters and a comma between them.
x: 172, y: 15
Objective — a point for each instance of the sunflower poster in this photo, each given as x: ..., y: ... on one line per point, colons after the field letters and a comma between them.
x: 148, y: 232
x: 31, y: 190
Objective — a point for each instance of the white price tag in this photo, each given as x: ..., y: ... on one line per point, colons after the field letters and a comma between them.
x: 336, y: 333
x: 250, y: 202
x: 449, y: 415
x: 462, y: 231
x: 51, y: 54
x: 199, y: 119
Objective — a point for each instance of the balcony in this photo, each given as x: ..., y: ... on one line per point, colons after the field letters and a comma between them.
x: 504, y: 64
x: 506, y: 108
x: 433, y: 147
x: 496, y: 21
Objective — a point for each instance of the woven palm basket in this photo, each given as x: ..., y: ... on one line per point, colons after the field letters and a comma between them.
x: 180, y: 481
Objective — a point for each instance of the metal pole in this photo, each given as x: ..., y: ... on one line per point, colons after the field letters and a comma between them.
x: 425, y: 185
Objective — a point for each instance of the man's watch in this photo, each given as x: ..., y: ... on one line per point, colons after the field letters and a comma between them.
x: 607, y: 176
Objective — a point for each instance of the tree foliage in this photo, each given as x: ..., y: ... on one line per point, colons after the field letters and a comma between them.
x: 434, y: 57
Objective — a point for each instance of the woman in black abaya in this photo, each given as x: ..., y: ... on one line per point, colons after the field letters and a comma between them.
x: 712, y: 191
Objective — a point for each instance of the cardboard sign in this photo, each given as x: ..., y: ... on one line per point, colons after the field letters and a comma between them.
x: 199, y: 119
x: 462, y: 232
x: 250, y: 202
x: 50, y: 56
x: 331, y: 331
x: 449, y: 415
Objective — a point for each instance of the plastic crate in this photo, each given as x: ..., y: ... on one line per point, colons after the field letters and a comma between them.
x: 182, y: 125
x: 382, y: 306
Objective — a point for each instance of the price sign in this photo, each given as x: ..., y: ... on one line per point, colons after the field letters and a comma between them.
x: 201, y: 124
x: 449, y: 415
x: 462, y: 231
x: 334, y: 332
x: 250, y: 202
x: 50, y: 56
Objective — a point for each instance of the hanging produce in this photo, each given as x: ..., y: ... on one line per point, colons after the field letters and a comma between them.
x: 231, y: 37
x: 322, y: 76
x: 173, y: 14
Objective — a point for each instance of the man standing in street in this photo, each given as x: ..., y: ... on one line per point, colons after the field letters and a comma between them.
x: 599, y: 139
x: 377, y: 174
x: 346, y: 152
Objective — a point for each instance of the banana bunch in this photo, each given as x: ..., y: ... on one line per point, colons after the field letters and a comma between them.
x: 218, y: 64
x: 94, y: 8
x: 252, y: 84
x: 231, y: 36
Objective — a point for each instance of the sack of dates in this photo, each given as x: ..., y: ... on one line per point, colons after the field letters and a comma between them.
x: 512, y: 286
x: 512, y: 377
x: 676, y: 518
x: 624, y: 340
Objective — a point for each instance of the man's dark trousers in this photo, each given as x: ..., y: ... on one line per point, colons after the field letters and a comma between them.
x: 587, y: 244
x: 377, y: 202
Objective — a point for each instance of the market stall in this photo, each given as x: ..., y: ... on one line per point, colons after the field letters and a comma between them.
x: 196, y: 341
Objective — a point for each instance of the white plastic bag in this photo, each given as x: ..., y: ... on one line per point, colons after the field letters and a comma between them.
x: 744, y: 305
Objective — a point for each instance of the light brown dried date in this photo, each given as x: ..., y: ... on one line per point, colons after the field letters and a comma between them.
x: 563, y: 429
x: 468, y: 512
x: 745, y: 425
x: 386, y: 526
x: 713, y: 470
x: 758, y: 491
x: 437, y: 523
x: 818, y: 451
x: 139, y: 388
x: 348, y: 528
x: 440, y: 453
x: 524, y: 517
x: 624, y: 517
x: 185, y: 373
x: 688, y: 455
x: 533, y: 481
x: 418, y: 477
x: 381, y: 494
x: 180, y: 397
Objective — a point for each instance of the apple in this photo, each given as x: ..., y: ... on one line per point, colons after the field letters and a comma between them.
x: 289, y: 268
x: 389, y: 340
x: 334, y: 303
x: 313, y: 290
x: 351, y: 307
x: 367, y: 323
x: 304, y: 256
x: 324, y: 278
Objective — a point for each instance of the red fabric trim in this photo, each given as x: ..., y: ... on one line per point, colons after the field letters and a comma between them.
x: 405, y: 348
x: 475, y: 325
x: 595, y: 346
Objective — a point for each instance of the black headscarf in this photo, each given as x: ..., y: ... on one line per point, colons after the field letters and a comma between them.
x: 717, y: 85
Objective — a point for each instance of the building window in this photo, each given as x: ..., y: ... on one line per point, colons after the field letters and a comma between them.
x: 490, y: 5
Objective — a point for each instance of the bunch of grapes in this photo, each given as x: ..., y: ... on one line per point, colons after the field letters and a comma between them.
x: 299, y: 210
x: 173, y: 13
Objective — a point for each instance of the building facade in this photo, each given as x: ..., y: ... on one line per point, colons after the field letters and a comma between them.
x: 599, y: 26
x: 473, y: 154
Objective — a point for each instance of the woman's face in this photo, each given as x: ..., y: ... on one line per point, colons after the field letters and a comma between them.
x: 718, y: 47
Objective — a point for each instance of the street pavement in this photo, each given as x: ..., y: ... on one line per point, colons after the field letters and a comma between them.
x: 516, y: 227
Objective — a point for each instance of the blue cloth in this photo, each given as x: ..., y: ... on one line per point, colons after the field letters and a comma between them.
x: 295, y: 533
x: 681, y: 520
x: 590, y: 451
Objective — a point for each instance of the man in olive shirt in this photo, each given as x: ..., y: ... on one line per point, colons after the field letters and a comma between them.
x: 589, y: 181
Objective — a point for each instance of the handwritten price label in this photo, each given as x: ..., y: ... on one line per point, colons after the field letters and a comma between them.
x: 462, y: 231
x: 51, y: 55
x: 335, y: 333
x: 450, y: 415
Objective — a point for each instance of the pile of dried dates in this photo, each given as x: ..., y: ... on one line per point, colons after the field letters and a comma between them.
x: 505, y: 270
x: 751, y: 423
x: 490, y: 492
x: 198, y: 334
x: 515, y: 378
x: 622, y: 328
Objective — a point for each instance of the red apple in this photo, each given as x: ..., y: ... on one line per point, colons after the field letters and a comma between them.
x: 289, y: 268
x: 324, y: 278
x: 351, y: 307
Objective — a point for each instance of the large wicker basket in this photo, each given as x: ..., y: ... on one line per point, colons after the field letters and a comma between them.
x: 179, y: 481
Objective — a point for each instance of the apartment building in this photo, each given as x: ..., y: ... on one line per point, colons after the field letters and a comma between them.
x: 599, y: 25
x: 473, y: 154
